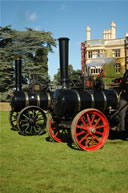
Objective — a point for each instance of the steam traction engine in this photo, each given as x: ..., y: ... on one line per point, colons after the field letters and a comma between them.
x: 27, y: 113
x: 85, y: 113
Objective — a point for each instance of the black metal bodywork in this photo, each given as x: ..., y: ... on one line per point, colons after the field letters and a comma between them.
x: 22, y: 99
x: 65, y: 103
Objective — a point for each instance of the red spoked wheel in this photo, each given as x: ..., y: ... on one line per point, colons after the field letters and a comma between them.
x: 90, y: 129
x: 57, y: 133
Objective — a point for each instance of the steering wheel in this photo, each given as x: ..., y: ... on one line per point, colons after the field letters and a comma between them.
x: 75, y: 82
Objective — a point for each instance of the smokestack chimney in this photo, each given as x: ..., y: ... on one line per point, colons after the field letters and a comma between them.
x: 63, y: 51
x: 18, y: 62
x: 88, y: 33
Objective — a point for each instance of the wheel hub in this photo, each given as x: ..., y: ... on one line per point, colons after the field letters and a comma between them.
x: 31, y: 121
x: 92, y: 130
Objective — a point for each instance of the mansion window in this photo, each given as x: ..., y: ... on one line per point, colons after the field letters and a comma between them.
x: 116, y: 53
x: 95, y: 70
x: 89, y: 54
x: 117, y: 67
x: 94, y: 54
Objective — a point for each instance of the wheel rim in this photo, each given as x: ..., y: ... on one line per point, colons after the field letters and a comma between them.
x: 31, y: 121
x: 91, y: 130
x: 13, y: 119
x: 57, y: 133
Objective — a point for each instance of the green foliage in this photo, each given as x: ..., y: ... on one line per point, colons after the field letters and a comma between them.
x: 110, y: 72
x: 73, y: 74
x: 33, y: 46
x: 35, y: 165
x: 25, y: 42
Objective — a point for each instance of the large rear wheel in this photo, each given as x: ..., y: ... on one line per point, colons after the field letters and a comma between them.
x: 90, y: 129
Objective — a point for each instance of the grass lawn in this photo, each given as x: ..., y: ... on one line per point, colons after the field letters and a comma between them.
x: 35, y: 165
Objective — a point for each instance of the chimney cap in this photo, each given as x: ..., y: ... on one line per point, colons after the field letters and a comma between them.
x: 113, y: 24
x: 88, y: 28
x: 63, y: 38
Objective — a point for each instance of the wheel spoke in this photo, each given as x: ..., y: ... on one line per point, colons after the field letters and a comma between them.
x: 40, y: 119
x: 56, y: 134
x: 88, y: 119
x: 98, y: 132
x: 24, y: 124
x: 29, y: 113
x: 24, y: 120
x: 26, y: 129
x: 31, y: 128
x: 83, y: 138
x: 36, y: 114
x: 25, y: 116
x: 36, y: 128
x: 83, y: 122
x: 96, y: 138
x: 82, y: 127
x: 98, y: 127
x: 80, y: 133
x: 97, y: 122
x: 38, y: 125
x: 93, y: 118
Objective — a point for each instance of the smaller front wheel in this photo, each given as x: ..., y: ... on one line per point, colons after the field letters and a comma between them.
x: 90, y: 129
x: 31, y: 121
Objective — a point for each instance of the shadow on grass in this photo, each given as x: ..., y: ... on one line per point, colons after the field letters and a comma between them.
x: 44, y: 132
x: 73, y: 146
x: 123, y: 135
x: 69, y: 143
x: 48, y: 139
x: 15, y: 129
x: 113, y: 136
x: 64, y: 140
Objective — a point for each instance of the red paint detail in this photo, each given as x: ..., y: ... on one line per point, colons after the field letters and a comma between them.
x: 88, y: 140
x: 12, y: 95
x: 55, y: 133
x: 83, y: 52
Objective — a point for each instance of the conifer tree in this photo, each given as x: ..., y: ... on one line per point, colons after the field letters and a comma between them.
x: 33, y: 46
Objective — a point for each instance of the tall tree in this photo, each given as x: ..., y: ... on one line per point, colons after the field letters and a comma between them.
x: 73, y: 74
x: 33, y: 46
